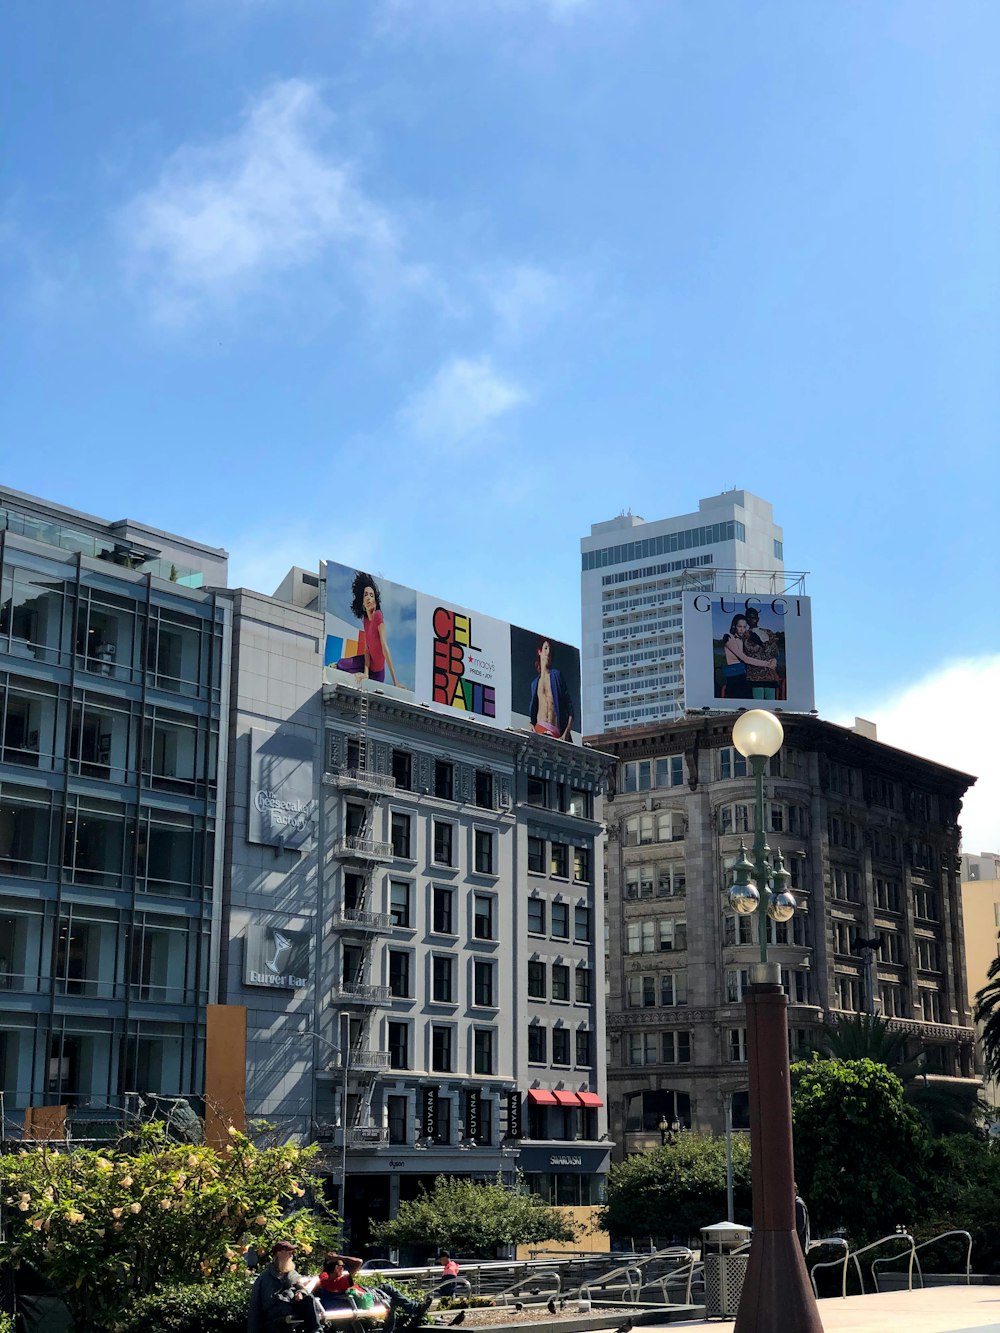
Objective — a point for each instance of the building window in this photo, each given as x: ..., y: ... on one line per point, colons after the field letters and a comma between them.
x: 928, y: 955
x: 847, y: 884
x: 581, y: 803
x: 536, y: 980
x: 399, y: 974
x: 583, y: 987
x: 732, y: 764
x: 676, y: 1048
x: 443, y: 979
x: 888, y: 894
x: 737, y: 929
x: 402, y: 770
x: 482, y: 916
x: 444, y: 779
x: 538, y: 791
x: 397, y: 1116
x: 536, y: 855
x: 583, y: 1048
x: 442, y: 1132
x: 671, y: 880
x: 560, y: 921
x: 643, y: 1048
x: 640, y: 992
x: 926, y: 903
x: 482, y: 984
x: 738, y: 1045
x: 443, y: 843
x: 795, y: 982
x: 399, y: 902
x: 484, y: 789
x: 848, y: 992
x: 673, y: 988
x: 581, y: 925
x: 482, y: 1050
x: 734, y: 818
x: 559, y: 861
x: 483, y: 843
x: 399, y: 1045
x: 929, y: 1005
x: 441, y: 1043
x: 560, y: 1046
x: 536, y: 1044
x: 581, y: 864
x: 560, y: 982
x: 442, y: 910
x: 673, y: 934
x: 401, y: 844
x: 536, y: 916
x: 737, y: 981
x: 893, y: 1004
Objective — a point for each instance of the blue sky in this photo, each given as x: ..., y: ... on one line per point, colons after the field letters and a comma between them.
x: 435, y: 284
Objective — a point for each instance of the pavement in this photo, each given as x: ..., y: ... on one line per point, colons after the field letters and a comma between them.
x: 935, y: 1310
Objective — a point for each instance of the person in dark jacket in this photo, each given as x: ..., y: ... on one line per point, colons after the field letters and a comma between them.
x: 279, y: 1296
x: 801, y: 1221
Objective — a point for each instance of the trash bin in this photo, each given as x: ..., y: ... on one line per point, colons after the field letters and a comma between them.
x: 724, y: 1270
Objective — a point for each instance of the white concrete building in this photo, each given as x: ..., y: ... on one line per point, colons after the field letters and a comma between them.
x: 632, y: 576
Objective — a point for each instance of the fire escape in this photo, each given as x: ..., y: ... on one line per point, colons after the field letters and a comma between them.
x: 362, y: 855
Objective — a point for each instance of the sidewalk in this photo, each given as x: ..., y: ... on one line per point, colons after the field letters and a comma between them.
x: 936, y: 1310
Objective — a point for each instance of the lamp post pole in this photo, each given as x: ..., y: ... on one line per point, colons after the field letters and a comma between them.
x: 344, y: 1053
x: 777, y: 1296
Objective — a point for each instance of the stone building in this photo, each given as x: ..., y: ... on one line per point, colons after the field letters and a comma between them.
x: 870, y: 835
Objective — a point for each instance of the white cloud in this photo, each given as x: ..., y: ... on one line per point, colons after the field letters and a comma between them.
x: 265, y: 200
x: 463, y: 398
x: 524, y: 298
x: 259, y: 562
x: 947, y: 716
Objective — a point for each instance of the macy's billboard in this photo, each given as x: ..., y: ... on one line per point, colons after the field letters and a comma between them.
x: 458, y: 661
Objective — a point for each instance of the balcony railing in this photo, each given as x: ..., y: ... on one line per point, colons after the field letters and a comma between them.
x: 363, y: 849
x: 361, y: 779
x: 353, y: 919
x: 360, y: 993
x: 362, y: 1061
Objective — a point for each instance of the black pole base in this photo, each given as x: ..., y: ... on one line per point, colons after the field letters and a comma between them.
x: 777, y: 1294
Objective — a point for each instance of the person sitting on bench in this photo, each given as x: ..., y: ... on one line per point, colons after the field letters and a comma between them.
x: 337, y: 1282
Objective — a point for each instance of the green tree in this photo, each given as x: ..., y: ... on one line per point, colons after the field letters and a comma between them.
x: 107, y: 1227
x: 945, y: 1109
x: 676, y: 1190
x: 473, y: 1219
x: 862, y: 1154
x: 988, y: 1014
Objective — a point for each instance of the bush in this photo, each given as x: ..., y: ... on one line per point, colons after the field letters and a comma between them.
x: 219, y: 1307
x: 6, y: 1322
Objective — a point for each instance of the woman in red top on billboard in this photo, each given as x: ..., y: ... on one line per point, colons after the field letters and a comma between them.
x: 366, y: 602
x: 551, y: 711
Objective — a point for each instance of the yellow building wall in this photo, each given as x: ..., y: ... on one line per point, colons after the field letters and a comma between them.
x: 225, y: 1071
x: 590, y: 1239
x: 981, y: 921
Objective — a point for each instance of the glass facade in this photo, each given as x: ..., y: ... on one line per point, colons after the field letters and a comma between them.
x: 111, y: 699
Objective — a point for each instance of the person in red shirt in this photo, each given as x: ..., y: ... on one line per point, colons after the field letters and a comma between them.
x: 366, y: 606
x: 449, y: 1269
x: 333, y: 1291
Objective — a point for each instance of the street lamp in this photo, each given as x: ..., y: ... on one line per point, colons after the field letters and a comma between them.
x: 777, y: 1296
x: 343, y: 1051
x: 669, y: 1129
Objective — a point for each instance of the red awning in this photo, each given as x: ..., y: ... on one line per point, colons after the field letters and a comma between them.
x: 590, y: 1099
x: 541, y: 1097
x: 566, y: 1099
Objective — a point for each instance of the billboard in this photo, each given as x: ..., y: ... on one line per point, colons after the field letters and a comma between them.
x: 281, y: 809
x: 740, y: 651
x: 276, y: 956
x: 448, y: 657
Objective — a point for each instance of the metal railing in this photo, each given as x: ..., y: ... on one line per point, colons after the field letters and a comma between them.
x: 365, y: 849
x: 943, y: 1235
x: 353, y: 918
x: 362, y: 993
x: 854, y: 1256
x: 361, y: 779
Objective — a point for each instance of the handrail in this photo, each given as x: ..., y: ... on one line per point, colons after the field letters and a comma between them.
x: 854, y: 1255
x: 943, y: 1235
x: 531, y: 1278
x: 830, y: 1263
x: 685, y: 1266
x: 629, y: 1272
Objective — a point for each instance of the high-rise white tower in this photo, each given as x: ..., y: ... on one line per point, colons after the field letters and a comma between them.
x: 633, y: 574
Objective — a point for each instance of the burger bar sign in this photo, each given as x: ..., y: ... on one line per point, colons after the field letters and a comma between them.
x: 282, y: 804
